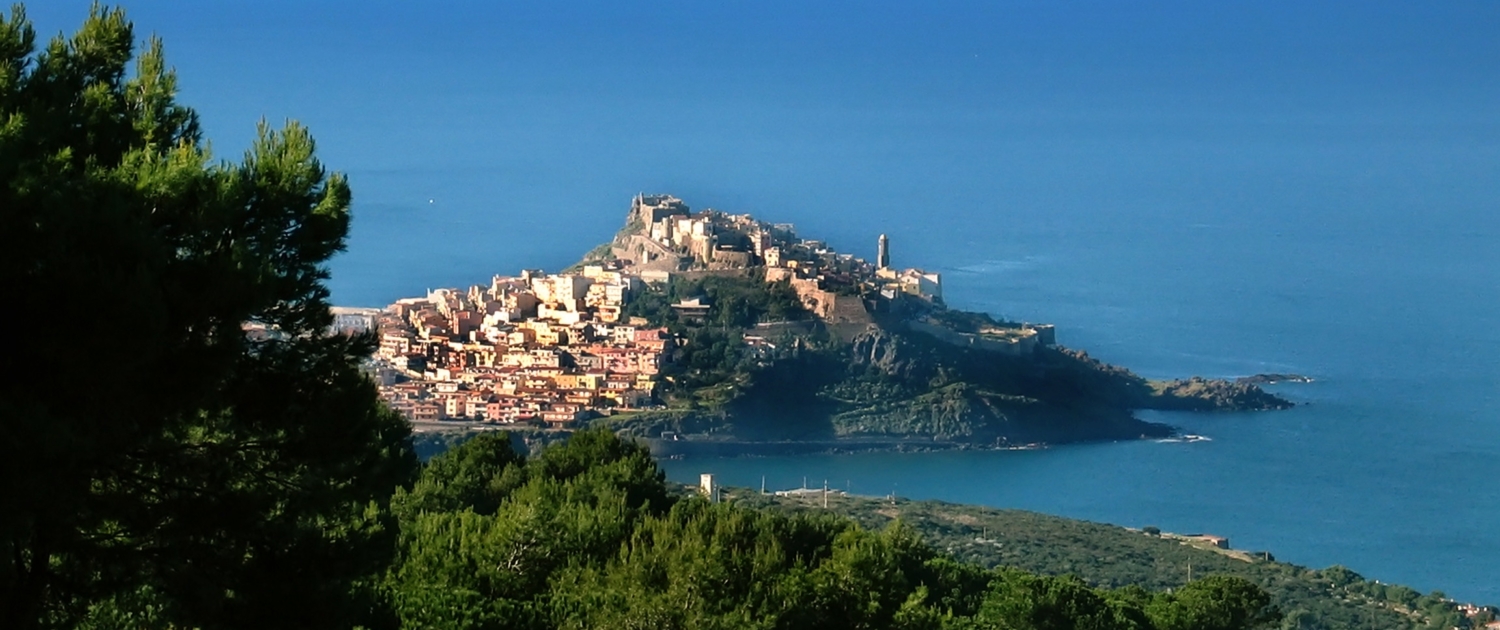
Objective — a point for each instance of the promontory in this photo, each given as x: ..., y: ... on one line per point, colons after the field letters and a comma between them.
x: 712, y: 332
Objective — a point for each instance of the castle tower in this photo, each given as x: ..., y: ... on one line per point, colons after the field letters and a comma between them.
x: 883, y: 256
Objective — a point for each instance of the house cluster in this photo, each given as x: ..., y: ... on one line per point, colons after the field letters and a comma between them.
x: 842, y: 289
x: 542, y: 348
x: 1481, y: 616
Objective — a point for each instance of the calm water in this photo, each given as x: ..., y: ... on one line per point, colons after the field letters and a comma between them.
x: 1182, y: 188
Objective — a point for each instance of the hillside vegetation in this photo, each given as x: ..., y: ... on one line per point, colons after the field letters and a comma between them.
x: 1110, y: 557
x: 587, y: 534
x: 804, y: 380
x: 1115, y: 561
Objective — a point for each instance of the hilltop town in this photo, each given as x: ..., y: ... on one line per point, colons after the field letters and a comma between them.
x: 684, y: 316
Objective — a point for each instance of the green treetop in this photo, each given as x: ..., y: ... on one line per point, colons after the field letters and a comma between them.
x: 164, y: 464
x: 586, y: 534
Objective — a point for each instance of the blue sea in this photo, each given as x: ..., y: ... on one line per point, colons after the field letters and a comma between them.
x: 1183, y: 188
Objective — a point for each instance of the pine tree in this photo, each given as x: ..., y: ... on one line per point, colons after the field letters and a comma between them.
x: 182, y: 440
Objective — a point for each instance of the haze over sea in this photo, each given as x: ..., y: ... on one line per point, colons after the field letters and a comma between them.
x: 1183, y: 188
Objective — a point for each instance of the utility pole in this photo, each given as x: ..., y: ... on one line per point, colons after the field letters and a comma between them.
x: 762, y: 484
x: 1190, y: 572
x: 825, y: 494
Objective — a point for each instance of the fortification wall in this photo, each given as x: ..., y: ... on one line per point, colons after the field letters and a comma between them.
x: 646, y: 254
x: 771, y: 330
x: 712, y: 273
x: 847, y: 309
x: 1046, y: 334
x: 730, y: 259
x: 1023, y: 344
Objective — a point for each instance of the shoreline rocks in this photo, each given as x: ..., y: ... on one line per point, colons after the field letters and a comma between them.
x: 1202, y: 394
x: 1273, y: 378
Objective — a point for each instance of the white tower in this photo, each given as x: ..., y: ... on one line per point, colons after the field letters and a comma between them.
x: 709, y: 487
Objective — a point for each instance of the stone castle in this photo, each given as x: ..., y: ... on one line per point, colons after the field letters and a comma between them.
x: 664, y: 236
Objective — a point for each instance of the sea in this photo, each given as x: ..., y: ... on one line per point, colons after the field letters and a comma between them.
x: 1183, y: 188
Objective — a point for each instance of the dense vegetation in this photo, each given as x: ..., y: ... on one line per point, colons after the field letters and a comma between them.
x: 1106, y: 556
x: 736, y: 300
x: 215, y: 477
x: 1120, y: 561
x: 587, y: 534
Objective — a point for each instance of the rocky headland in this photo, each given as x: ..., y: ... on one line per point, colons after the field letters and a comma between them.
x: 709, y: 332
x: 1273, y: 378
x: 795, y: 347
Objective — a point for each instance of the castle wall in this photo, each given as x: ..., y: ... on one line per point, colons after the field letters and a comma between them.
x: 777, y: 274
x: 646, y: 254
x: 771, y: 329
x: 1046, y: 334
x: 707, y: 273
x: 1023, y: 344
x: 652, y: 208
x: 730, y: 259
x: 847, y: 309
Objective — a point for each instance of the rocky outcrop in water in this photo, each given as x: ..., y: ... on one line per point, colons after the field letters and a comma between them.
x: 1202, y: 394
x: 1273, y: 378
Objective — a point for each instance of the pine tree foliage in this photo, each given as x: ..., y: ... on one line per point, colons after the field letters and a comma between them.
x: 153, y: 449
x: 588, y: 535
